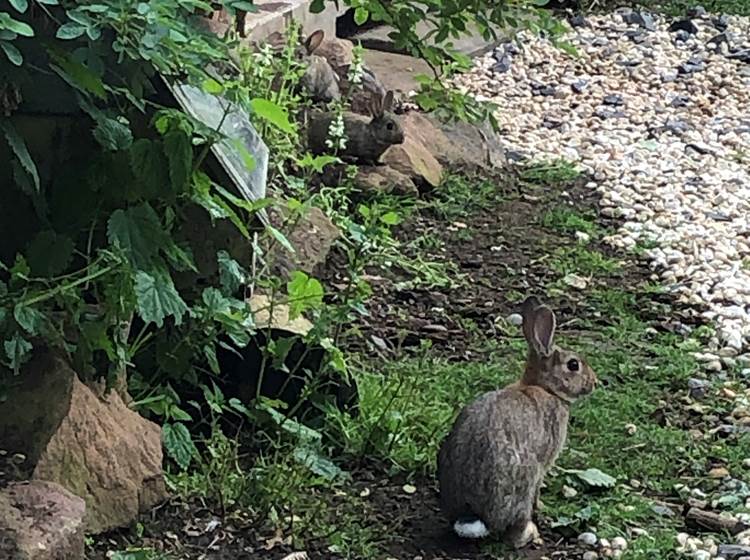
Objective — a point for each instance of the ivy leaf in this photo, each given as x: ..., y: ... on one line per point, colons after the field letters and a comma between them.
x: 13, y: 54
x: 18, y: 146
x: 596, y: 478
x: 158, y: 298
x: 113, y: 135
x: 231, y: 275
x: 180, y: 156
x: 138, y: 232
x: 18, y: 351
x: 30, y: 319
x: 70, y: 30
x: 273, y: 113
x: 304, y: 293
x: 178, y: 443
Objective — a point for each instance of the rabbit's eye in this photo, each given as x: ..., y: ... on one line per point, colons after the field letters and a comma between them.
x: 573, y: 365
x: 389, y: 126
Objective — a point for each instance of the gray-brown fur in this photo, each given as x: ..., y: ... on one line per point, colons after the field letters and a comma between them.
x: 367, y: 139
x: 492, y: 464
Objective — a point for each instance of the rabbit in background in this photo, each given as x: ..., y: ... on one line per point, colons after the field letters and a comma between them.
x: 367, y: 139
x: 492, y: 464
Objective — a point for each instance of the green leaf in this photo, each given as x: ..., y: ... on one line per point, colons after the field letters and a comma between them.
x: 273, y: 113
x: 77, y: 75
x: 179, y: 152
x: 231, y: 275
x: 319, y: 465
x: 19, y: 5
x: 113, y: 135
x: 18, y: 351
x: 318, y: 163
x: 70, y: 30
x: 150, y: 166
x: 13, y: 54
x: 212, y: 86
x: 360, y: 15
x: 158, y: 298
x: 209, y: 351
x: 595, y: 478
x: 30, y: 319
x: 317, y: 6
x: 390, y: 218
x: 304, y: 434
x: 281, y: 238
x: 49, y: 254
x: 138, y: 232
x: 178, y: 443
x: 304, y: 293
x: 18, y: 146
x: 7, y: 22
x: 216, y: 303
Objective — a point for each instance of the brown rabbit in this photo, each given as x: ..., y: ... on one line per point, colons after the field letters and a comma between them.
x: 367, y: 139
x: 491, y: 465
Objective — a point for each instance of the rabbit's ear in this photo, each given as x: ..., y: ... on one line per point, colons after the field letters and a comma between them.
x: 388, y: 101
x: 543, y: 330
x: 376, y: 106
x: 314, y: 41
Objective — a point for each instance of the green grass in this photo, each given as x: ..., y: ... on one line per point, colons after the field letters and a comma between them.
x: 580, y: 260
x: 550, y: 172
x: 460, y: 195
x: 568, y: 220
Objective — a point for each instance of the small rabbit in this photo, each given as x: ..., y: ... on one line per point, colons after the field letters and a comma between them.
x: 320, y: 80
x: 491, y: 465
x: 367, y: 139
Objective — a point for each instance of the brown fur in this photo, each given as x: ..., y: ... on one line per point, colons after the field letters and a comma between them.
x: 492, y: 464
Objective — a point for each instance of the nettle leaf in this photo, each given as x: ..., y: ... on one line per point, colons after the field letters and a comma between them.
x: 231, y: 274
x: 179, y: 153
x: 596, y: 478
x: 31, y: 320
x: 138, y: 232
x: 304, y: 293
x: 113, y: 135
x: 178, y: 443
x: 20, y: 150
x: 49, y: 254
x: 157, y: 298
x: 273, y: 113
x: 18, y: 351
x: 216, y: 303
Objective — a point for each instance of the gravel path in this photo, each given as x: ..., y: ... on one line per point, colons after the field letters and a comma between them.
x: 658, y: 112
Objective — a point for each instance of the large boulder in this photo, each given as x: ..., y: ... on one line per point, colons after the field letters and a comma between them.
x: 413, y: 158
x: 40, y: 520
x: 311, y: 235
x: 95, y: 447
x: 375, y: 179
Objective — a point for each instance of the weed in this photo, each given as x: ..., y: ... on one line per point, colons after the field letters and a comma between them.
x: 551, y: 172
x: 568, y: 220
x: 460, y: 195
x: 581, y: 260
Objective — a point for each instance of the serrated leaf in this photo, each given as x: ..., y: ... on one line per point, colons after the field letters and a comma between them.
x: 18, y: 146
x: 157, y: 298
x: 29, y: 319
x: 215, y: 302
x: 70, y: 31
x: 273, y: 113
x: 360, y: 15
x: 596, y: 478
x: 18, y: 351
x: 178, y: 443
x: 138, y: 232
x: 49, y: 254
x: 113, y: 135
x: 179, y: 153
x: 319, y: 465
x: 13, y: 54
x: 231, y: 275
x: 304, y: 293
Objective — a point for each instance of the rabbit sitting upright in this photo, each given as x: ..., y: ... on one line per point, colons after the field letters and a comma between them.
x: 491, y: 465
x: 366, y: 139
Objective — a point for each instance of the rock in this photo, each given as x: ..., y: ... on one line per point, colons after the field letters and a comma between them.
x: 642, y: 19
x: 569, y: 492
x: 698, y: 387
x: 587, y: 539
x: 463, y: 144
x: 679, y: 101
x: 261, y: 306
x: 516, y: 320
x: 413, y: 158
x: 742, y: 55
x: 697, y: 12
x: 614, y: 100
x: 685, y: 25
x: 590, y: 555
x: 384, y: 179
x: 312, y: 235
x: 40, y: 520
x: 575, y: 281
x: 733, y: 551
x: 691, y: 66
x: 577, y: 20
x: 718, y: 472
x: 579, y: 86
x: 701, y: 555
x: 95, y: 447
x: 619, y: 543
x: 582, y: 237
x: 746, y: 463
x: 338, y: 52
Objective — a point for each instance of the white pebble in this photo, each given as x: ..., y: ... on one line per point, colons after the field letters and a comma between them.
x: 587, y: 539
